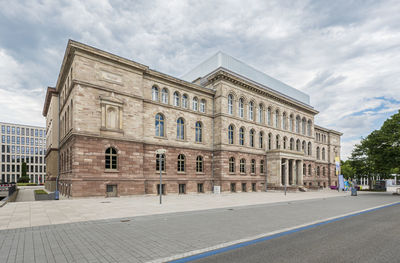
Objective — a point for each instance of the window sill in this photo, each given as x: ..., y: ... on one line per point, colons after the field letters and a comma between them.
x: 200, y: 173
x: 161, y: 137
x: 111, y: 171
x: 111, y: 130
x: 181, y: 172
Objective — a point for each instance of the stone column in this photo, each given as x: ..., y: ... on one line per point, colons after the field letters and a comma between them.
x: 294, y: 173
x: 286, y: 167
x: 301, y: 175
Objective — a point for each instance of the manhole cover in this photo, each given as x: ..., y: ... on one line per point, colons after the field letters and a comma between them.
x: 105, y: 202
x: 125, y: 220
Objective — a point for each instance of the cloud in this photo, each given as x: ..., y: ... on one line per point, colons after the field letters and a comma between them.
x: 345, y: 54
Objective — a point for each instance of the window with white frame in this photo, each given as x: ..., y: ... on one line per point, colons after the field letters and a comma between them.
x: 230, y: 104
x: 195, y: 105
x: 154, y: 93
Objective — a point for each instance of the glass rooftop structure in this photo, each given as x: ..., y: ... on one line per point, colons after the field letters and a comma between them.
x: 230, y: 64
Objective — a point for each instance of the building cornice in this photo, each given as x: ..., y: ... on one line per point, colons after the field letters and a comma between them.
x: 328, y: 130
x: 222, y: 74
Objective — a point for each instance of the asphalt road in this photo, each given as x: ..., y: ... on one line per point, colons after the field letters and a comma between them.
x: 369, y: 237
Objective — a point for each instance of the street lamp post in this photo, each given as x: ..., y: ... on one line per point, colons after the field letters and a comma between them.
x: 160, y: 153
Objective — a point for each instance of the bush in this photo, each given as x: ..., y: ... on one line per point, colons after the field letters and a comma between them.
x: 40, y: 192
x: 27, y: 184
x: 23, y: 179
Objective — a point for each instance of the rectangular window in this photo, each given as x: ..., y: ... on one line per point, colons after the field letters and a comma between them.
x: 18, y: 140
x: 41, y: 133
x: 18, y: 149
x: 200, y: 188
x: 8, y: 129
x: 32, y: 131
x: 3, y: 139
x: 253, y: 187
x: 22, y: 131
x: 244, y: 187
x: 162, y: 189
x: 13, y: 130
x: 8, y: 139
x: 233, y: 187
x: 182, y: 188
x: 18, y: 131
x: 36, y: 132
x: 3, y: 129
x: 13, y: 139
x: 22, y: 140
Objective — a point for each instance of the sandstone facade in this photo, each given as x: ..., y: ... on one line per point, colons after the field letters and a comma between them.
x: 111, y: 107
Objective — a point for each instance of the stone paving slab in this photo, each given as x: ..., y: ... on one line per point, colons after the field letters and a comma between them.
x: 36, y: 213
x: 147, y: 238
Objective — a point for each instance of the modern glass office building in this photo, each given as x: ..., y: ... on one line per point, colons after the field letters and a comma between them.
x: 22, y: 143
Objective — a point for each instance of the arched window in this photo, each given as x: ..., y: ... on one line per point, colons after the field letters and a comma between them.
x: 323, y: 154
x: 232, y: 165
x: 303, y: 126
x: 230, y: 134
x: 309, y: 149
x: 261, y: 140
x: 154, y: 93
x: 199, y: 132
x: 162, y: 162
x: 318, y: 172
x: 284, y: 119
x: 291, y: 122
x: 251, y: 111
x: 261, y: 167
x: 260, y: 113
x: 199, y: 164
x: 181, y: 163
x: 203, y: 105
x: 159, y: 125
x: 164, y: 96
x: 318, y: 154
x: 284, y: 142
x: 253, y: 166
x: 303, y: 147
x: 309, y: 123
x: 277, y: 119
x: 269, y: 141
x: 298, y: 145
x: 195, y: 103
x: 298, y: 124
x: 291, y: 144
x: 242, y: 166
x: 241, y: 108
x: 251, y: 138
x: 230, y: 104
x: 304, y: 169
x: 241, y: 136
x: 277, y: 142
x: 269, y: 116
x: 111, y: 158
x: 180, y: 129
x: 177, y: 99
x: 309, y: 170
x: 185, y: 101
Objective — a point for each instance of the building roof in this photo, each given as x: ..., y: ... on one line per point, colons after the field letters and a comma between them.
x: 50, y: 91
x: 229, y: 63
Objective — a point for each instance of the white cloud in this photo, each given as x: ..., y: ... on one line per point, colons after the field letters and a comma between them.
x: 346, y: 55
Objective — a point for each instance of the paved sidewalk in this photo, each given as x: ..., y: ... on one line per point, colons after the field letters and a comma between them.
x: 156, y: 237
x: 25, y: 193
x: 37, y: 213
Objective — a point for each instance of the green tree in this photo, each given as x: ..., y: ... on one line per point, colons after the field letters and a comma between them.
x: 24, y: 178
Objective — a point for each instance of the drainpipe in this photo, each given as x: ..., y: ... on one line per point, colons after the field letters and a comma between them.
x: 58, y: 159
x: 212, y: 153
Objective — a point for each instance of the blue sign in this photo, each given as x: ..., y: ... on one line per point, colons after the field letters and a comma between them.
x: 341, y: 181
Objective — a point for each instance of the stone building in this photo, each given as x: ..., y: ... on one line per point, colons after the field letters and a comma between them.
x: 222, y: 124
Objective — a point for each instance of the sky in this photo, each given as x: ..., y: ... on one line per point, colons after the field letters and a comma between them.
x: 344, y: 54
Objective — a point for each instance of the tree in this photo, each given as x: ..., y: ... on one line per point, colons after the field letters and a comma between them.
x: 24, y: 178
x: 346, y: 169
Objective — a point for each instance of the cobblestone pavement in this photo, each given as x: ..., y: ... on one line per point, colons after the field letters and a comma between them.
x: 146, y: 238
